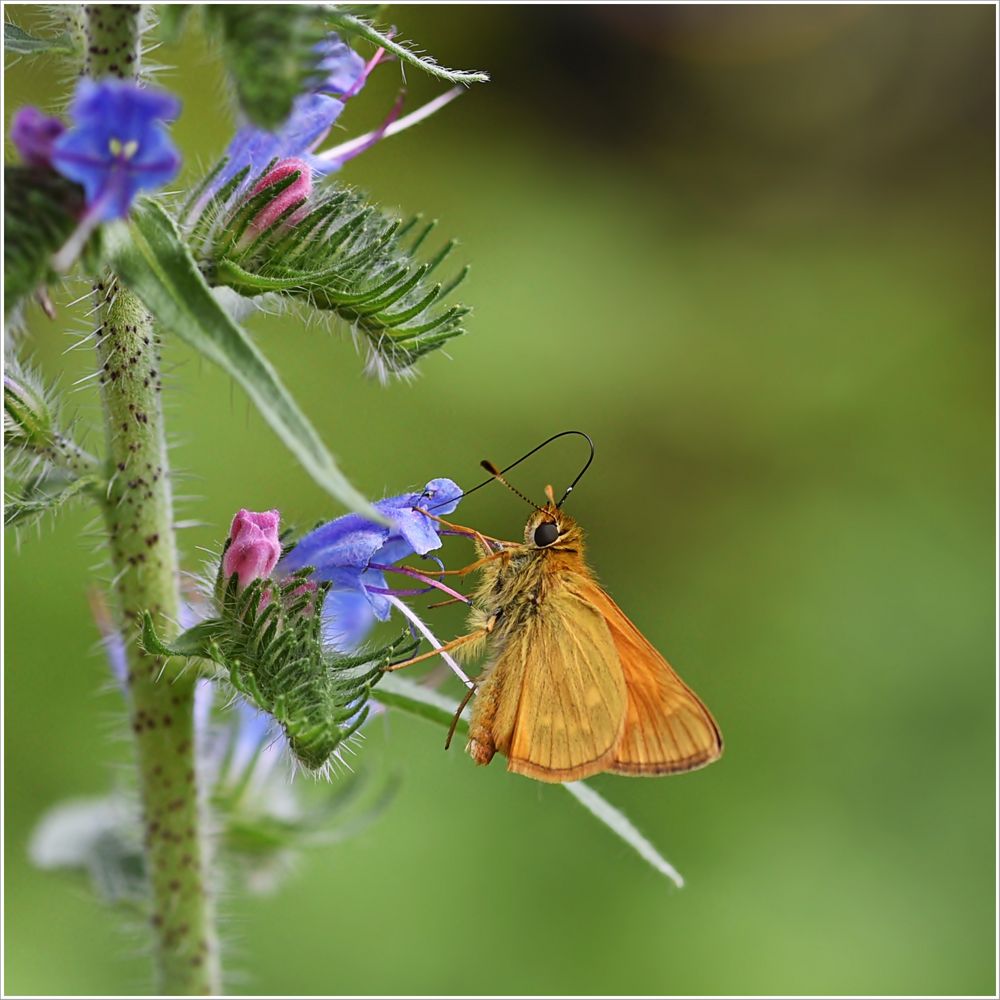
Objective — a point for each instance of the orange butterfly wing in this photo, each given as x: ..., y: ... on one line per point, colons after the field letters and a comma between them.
x: 667, y: 728
x: 554, y: 702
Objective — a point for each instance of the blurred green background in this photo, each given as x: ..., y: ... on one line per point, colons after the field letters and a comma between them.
x: 750, y: 251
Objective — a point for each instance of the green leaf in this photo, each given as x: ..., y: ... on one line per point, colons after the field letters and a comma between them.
x: 40, y: 212
x: 100, y: 837
x: 345, y: 23
x: 270, y: 54
x: 153, y: 261
x: 415, y: 699
x: 18, y: 41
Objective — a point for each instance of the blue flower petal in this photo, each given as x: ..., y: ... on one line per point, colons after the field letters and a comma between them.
x: 348, y: 541
x: 117, y: 145
x: 348, y: 617
x: 344, y: 550
x: 379, y: 602
x: 417, y: 531
x: 82, y: 157
x: 340, y: 65
x: 156, y: 157
x: 441, y: 497
x: 121, y: 104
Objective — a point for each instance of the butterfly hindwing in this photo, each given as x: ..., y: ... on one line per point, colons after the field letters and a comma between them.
x: 667, y: 728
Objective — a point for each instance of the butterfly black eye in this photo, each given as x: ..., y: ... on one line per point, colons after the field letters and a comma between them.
x: 545, y: 534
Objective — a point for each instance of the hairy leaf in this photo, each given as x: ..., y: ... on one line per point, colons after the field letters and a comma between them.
x: 30, y: 499
x: 20, y: 42
x: 349, y: 26
x: 153, y: 261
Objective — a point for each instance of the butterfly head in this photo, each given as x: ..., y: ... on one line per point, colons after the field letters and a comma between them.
x: 550, y: 528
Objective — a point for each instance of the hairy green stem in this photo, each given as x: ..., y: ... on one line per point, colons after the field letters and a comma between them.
x: 111, y: 39
x: 139, y: 518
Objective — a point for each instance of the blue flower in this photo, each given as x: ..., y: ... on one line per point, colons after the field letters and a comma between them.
x: 352, y: 553
x: 117, y: 145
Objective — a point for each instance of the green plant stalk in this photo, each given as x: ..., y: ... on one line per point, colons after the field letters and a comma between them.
x: 138, y: 512
x: 111, y: 35
x: 139, y: 519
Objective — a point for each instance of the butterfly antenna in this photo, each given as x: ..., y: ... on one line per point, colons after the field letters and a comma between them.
x: 498, y: 476
x: 507, y: 468
x: 586, y: 465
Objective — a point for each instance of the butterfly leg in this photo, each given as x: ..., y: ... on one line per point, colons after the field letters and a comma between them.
x: 465, y: 570
x: 471, y: 532
x: 458, y: 715
x: 447, y: 647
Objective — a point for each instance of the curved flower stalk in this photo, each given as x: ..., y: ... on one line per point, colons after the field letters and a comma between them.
x: 261, y: 223
x: 264, y: 634
x: 309, y: 671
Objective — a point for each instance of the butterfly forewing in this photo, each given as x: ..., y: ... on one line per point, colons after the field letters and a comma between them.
x: 667, y: 728
x: 554, y: 702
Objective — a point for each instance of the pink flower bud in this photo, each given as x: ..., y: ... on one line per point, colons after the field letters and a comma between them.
x: 253, y: 548
x: 297, y: 191
x: 34, y: 135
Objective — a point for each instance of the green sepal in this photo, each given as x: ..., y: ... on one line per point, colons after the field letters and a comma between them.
x: 28, y: 409
x: 344, y: 257
x: 267, y: 640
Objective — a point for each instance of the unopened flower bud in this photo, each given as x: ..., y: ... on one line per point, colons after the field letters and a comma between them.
x: 253, y: 548
x: 297, y: 191
x: 34, y: 134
